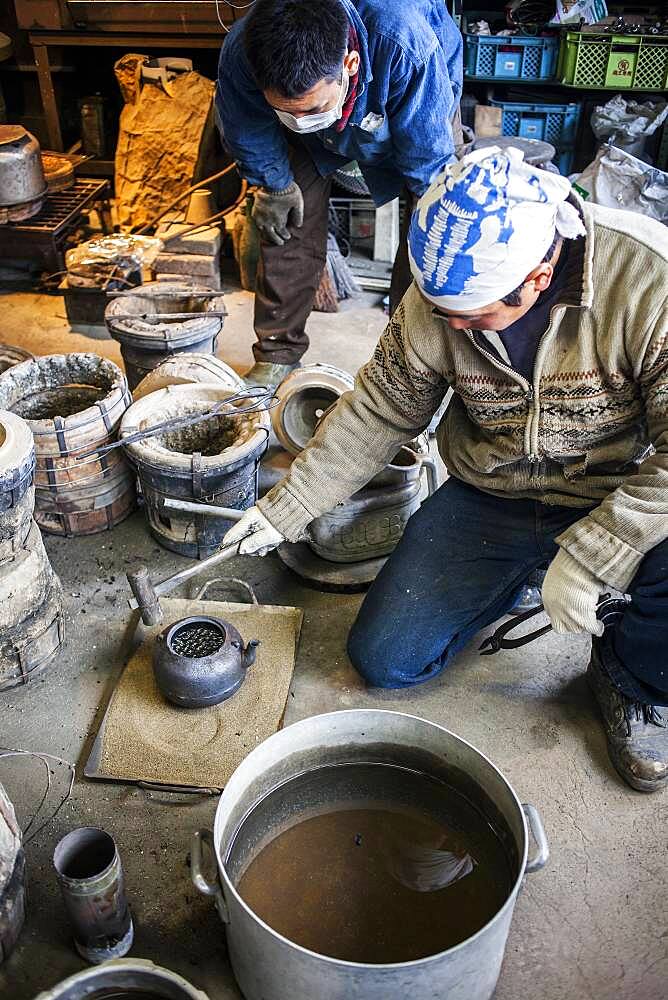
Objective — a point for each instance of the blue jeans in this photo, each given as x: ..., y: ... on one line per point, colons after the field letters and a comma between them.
x: 460, y: 566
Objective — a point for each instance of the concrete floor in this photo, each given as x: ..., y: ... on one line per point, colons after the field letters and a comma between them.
x: 590, y: 925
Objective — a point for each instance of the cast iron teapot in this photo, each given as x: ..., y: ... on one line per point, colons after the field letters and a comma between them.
x: 201, y: 661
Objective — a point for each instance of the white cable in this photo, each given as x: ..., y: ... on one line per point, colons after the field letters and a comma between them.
x: 234, y: 6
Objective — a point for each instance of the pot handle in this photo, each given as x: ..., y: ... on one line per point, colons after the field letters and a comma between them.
x: 199, y: 880
x: 535, y: 824
x: 429, y: 465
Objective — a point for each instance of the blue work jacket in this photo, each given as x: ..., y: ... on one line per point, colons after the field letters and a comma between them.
x: 409, y: 85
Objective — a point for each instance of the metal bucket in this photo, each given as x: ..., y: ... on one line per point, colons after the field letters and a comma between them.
x: 268, y: 966
x: 115, y: 977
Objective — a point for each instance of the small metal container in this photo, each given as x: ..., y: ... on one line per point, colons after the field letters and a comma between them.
x: 21, y: 172
x: 91, y: 880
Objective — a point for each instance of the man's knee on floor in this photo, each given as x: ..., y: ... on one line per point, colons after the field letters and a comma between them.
x: 379, y: 661
x: 372, y: 658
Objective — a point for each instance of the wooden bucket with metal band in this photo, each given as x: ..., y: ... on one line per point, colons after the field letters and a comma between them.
x: 73, y: 404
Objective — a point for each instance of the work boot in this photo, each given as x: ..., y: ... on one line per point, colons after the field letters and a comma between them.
x: 637, y: 734
x: 267, y: 374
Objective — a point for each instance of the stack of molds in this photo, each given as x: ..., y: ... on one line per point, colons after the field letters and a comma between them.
x: 31, y: 598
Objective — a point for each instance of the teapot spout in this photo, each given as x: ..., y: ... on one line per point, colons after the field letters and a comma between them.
x: 250, y: 652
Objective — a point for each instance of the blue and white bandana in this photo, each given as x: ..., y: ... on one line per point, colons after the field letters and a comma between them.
x: 483, y: 224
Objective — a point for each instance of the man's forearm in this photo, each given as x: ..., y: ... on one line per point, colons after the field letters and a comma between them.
x: 394, y: 398
x: 612, y: 540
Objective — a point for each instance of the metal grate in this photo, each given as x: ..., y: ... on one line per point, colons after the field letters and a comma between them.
x: 43, y: 237
x: 61, y: 207
x: 197, y: 639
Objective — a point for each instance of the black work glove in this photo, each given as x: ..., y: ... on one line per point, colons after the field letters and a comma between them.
x: 273, y: 210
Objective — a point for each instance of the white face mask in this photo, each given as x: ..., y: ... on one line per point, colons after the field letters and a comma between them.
x: 321, y: 120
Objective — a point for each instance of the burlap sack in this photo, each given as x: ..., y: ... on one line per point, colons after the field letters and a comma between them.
x: 165, y: 132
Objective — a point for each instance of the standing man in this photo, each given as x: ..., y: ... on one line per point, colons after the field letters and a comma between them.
x: 306, y: 86
x: 548, y: 318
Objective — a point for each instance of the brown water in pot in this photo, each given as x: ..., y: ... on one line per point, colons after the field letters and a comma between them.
x: 371, y: 863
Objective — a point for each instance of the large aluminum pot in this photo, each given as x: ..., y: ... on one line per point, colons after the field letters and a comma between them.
x: 270, y: 967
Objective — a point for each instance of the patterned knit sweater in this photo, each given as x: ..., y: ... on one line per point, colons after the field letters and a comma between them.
x: 590, y: 427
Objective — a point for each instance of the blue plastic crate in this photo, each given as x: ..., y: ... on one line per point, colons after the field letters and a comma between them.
x: 554, y: 123
x: 511, y: 57
x: 563, y: 161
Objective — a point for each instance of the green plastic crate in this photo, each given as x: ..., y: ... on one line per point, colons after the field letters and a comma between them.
x: 613, y: 62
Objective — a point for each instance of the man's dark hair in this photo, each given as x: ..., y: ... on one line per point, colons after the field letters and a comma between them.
x: 293, y: 44
x: 514, y: 298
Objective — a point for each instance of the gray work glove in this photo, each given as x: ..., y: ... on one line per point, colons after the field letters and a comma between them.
x: 273, y: 210
x: 254, y: 534
x: 570, y: 596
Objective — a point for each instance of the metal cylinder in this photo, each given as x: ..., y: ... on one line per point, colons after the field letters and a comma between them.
x: 91, y: 880
x: 268, y: 966
x: 122, y: 977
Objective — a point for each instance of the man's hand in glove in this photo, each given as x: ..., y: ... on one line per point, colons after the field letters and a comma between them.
x: 254, y: 534
x: 274, y: 210
x: 570, y: 596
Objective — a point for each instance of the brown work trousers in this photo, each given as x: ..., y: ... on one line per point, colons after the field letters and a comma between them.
x: 288, y: 276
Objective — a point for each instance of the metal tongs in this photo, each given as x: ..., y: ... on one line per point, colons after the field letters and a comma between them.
x: 609, y: 608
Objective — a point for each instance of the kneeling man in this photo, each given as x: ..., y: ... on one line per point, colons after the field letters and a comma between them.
x: 548, y: 318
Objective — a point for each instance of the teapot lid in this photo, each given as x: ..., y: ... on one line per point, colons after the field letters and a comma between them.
x: 11, y: 133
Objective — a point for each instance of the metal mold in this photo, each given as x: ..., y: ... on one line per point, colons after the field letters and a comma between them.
x: 213, y: 461
x: 369, y: 525
x: 200, y: 661
x: 303, y: 399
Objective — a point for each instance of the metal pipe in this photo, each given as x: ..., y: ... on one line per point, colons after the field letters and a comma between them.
x: 91, y: 880
x: 209, y: 510
x: 166, y: 586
